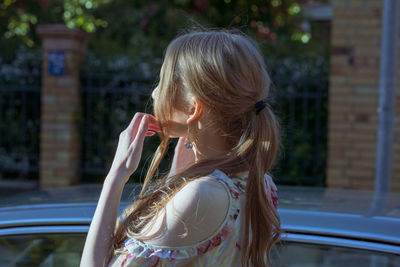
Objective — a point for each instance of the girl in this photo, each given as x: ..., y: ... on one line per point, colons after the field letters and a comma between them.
x: 216, y: 207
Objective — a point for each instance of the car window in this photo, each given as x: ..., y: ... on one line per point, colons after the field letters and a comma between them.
x: 42, y: 250
x: 47, y: 250
x: 315, y: 255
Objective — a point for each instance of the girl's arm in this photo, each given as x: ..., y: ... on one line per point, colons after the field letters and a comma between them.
x: 99, y: 240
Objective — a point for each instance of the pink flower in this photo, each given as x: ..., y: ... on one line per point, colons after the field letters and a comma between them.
x: 215, y: 242
x: 203, y: 248
x: 128, y: 256
x: 202, y: 5
x: 144, y: 22
x: 154, y: 9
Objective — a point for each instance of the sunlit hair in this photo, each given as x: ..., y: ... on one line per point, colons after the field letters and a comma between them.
x: 226, y: 72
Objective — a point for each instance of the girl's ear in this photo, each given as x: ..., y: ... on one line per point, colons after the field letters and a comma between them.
x: 195, y: 110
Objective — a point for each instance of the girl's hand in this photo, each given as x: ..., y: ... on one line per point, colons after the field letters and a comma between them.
x: 183, y: 157
x: 130, y: 146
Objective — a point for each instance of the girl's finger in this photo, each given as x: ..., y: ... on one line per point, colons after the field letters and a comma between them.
x: 153, y: 124
x: 137, y: 118
x: 134, y: 124
x: 141, y: 132
x: 152, y: 118
x: 154, y: 127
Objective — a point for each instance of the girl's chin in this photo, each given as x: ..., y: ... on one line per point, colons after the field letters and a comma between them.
x: 176, y: 135
x: 175, y: 130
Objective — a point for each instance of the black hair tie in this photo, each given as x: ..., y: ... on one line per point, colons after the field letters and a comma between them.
x: 260, y: 105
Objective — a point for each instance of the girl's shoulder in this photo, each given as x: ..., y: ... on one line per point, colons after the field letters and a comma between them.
x: 195, y: 213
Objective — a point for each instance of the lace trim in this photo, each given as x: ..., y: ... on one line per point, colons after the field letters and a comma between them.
x: 270, y: 187
x: 271, y: 190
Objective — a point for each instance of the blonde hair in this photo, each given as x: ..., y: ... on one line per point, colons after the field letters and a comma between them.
x: 226, y: 71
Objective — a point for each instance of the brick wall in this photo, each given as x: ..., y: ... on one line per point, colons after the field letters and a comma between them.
x: 354, y: 96
x: 60, y: 106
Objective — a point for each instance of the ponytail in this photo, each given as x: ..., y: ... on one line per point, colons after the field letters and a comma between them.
x: 261, y: 217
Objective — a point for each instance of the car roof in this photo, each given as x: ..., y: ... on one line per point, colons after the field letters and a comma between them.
x: 290, y: 197
x: 316, y: 211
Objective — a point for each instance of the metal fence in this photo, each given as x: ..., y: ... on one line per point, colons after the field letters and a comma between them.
x: 110, y: 101
x: 19, y: 125
x: 302, y: 106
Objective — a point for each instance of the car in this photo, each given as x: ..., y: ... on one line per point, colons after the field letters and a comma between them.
x: 322, y: 227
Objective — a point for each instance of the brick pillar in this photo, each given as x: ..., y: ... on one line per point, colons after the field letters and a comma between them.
x: 62, y: 50
x: 354, y: 96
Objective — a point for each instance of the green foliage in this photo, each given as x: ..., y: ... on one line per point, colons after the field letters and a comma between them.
x: 18, y: 18
x: 141, y: 30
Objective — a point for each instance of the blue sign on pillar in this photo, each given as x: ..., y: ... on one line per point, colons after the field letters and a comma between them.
x: 56, y: 63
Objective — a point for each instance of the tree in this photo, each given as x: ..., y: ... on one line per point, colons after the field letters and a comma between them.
x: 18, y: 17
x: 147, y: 26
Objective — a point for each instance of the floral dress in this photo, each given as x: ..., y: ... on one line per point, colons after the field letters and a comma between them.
x: 220, y: 249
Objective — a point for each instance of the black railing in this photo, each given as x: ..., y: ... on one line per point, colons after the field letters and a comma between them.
x: 111, y: 100
x: 302, y: 106
x: 19, y: 125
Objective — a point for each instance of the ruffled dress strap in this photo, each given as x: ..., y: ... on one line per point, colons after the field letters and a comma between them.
x: 271, y: 190
x: 239, y: 186
x: 234, y: 186
x: 139, y: 253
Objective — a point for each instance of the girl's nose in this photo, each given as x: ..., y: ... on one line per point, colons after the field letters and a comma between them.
x: 154, y: 93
